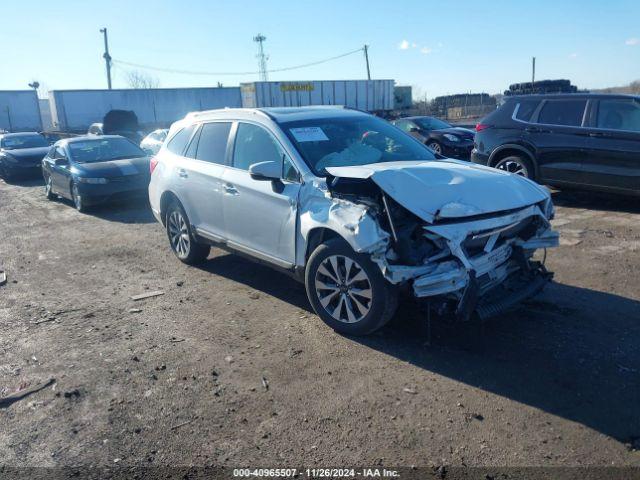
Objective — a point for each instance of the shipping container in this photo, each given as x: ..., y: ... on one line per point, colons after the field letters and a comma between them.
x: 75, y: 110
x: 369, y: 95
x: 19, y: 111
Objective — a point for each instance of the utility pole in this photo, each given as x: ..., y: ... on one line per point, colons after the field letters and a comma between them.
x: 106, y: 56
x: 533, y: 74
x: 366, y: 57
x: 262, y: 58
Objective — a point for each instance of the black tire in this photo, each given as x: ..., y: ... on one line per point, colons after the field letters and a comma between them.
x: 383, y: 295
x: 513, y: 162
x: 181, y: 238
x: 435, y: 146
x: 48, y: 192
x: 78, y: 202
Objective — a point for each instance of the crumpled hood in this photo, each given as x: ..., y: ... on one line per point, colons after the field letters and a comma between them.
x: 439, y: 189
x: 114, y: 168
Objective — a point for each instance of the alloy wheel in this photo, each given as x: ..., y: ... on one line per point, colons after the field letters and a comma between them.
x: 47, y: 187
x: 343, y: 289
x: 435, y: 147
x: 179, y: 234
x: 513, y: 166
x: 77, y: 199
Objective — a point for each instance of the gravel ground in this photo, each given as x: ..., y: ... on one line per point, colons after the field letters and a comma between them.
x: 231, y: 367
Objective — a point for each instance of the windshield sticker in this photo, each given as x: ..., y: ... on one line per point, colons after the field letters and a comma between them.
x: 309, y: 134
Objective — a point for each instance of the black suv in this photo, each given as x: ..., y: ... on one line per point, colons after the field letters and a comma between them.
x: 585, y: 140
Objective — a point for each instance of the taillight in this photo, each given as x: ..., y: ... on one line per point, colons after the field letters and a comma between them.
x: 152, y: 164
x: 482, y: 126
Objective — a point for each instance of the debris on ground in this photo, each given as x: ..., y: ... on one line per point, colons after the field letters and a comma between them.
x: 265, y: 383
x: 409, y: 390
x: 142, y: 296
x: 228, y: 359
x: 3, y: 277
x: 135, y: 310
x: 19, y: 395
x: 175, y: 427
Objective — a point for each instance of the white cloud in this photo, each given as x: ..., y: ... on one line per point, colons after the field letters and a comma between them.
x: 573, y: 55
x: 404, y: 45
x: 426, y: 50
x: 632, y: 41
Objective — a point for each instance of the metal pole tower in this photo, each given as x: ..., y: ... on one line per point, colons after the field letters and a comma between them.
x: 533, y: 74
x: 262, y: 58
x: 106, y: 56
x: 366, y: 57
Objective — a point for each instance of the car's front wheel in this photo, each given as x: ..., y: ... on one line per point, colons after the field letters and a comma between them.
x: 181, y: 238
x: 435, y: 146
x: 48, y: 188
x: 347, y: 290
x: 78, y: 201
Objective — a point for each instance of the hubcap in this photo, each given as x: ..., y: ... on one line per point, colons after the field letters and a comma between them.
x: 343, y: 288
x: 179, y: 234
x: 435, y: 147
x: 513, y: 166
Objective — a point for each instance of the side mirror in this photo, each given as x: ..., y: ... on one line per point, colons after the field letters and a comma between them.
x: 266, y: 170
x: 60, y: 162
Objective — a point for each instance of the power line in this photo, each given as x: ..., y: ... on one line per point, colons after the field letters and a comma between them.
x: 192, y: 72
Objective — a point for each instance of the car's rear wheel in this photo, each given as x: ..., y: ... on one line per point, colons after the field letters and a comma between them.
x: 347, y: 290
x: 181, y: 238
x: 435, y: 146
x: 517, y: 165
x: 48, y: 188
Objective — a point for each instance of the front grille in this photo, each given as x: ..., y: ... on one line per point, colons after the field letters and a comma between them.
x: 130, y: 179
x: 475, y: 243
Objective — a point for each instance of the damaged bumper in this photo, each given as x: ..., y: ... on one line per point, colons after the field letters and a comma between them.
x: 494, y: 275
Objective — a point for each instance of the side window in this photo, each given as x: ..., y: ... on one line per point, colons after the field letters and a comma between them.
x: 289, y: 172
x: 403, y: 125
x: 59, y: 153
x: 253, y: 145
x: 526, y: 109
x: 619, y: 114
x: 179, y: 141
x: 193, y: 146
x: 212, y: 145
x: 562, y: 112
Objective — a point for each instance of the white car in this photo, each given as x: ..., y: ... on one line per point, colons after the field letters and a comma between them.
x: 152, y: 142
x: 353, y: 207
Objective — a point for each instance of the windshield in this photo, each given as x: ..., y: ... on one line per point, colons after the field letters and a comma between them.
x: 429, y: 123
x: 338, y: 142
x: 103, y: 150
x: 15, y: 142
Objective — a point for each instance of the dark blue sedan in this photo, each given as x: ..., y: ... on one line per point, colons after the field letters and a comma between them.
x: 21, y: 154
x: 92, y: 170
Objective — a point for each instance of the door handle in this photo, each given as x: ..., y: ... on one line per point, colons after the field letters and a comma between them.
x: 230, y: 189
x: 182, y: 173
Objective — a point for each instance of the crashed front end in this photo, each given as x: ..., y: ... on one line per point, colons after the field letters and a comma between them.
x: 481, y: 266
x: 465, y: 261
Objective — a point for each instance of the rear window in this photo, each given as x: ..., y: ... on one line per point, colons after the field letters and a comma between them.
x: 562, y: 112
x: 526, y: 109
x: 212, y: 146
x: 179, y: 140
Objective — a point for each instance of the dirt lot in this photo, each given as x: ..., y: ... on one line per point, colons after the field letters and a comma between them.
x: 230, y: 366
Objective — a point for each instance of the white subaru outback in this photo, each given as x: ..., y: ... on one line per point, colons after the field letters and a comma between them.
x: 355, y: 208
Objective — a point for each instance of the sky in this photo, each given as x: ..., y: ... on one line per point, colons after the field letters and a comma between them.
x: 437, y: 47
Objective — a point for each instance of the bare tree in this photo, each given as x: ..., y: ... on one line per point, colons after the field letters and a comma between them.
x: 138, y: 79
